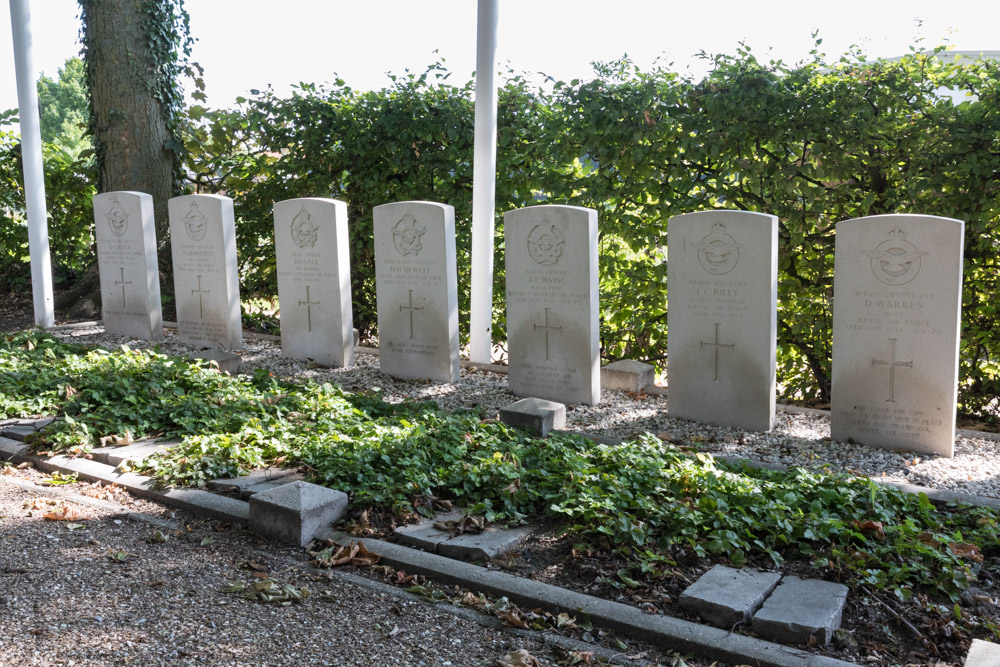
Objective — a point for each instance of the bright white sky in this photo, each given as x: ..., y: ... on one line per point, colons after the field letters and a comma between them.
x: 244, y: 44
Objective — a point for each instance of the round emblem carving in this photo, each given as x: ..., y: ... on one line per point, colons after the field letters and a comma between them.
x: 895, y: 261
x: 406, y: 235
x: 305, y: 232
x: 195, y: 223
x: 117, y: 218
x: 546, y: 243
x: 718, y: 253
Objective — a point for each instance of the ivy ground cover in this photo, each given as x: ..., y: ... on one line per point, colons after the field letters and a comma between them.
x: 643, y: 500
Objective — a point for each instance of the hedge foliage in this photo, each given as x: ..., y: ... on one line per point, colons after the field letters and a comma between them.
x: 814, y: 144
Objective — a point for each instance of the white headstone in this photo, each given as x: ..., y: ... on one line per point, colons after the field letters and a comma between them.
x: 416, y: 284
x: 125, y: 231
x: 896, y: 319
x: 553, y: 343
x: 206, y: 283
x: 722, y: 280
x: 314, y: 280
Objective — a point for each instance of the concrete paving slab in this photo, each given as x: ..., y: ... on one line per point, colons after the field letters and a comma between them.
x: 293, y: 513
x: 799, y: 609
x: 725, y: 596
x: 249, y: 491
x: 480, y: 547
x: 237, y: 484
x: 18, y: 432
x: 135, y: 452
x: 627, y: 375
x: 534, y: 415
x: 11, y: 449
x: 983, y: 654
x: 423, y: 534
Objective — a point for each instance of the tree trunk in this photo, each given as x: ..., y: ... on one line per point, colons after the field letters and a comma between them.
x: 131, y: 131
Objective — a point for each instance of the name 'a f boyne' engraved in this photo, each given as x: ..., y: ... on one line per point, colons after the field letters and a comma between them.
x: 308, y: 303
x: 201, y: 304
x: 702, y: 344
x: 892, y: 364
x: 547, y: 327
x: 123, y: 283
x: 410, y: 308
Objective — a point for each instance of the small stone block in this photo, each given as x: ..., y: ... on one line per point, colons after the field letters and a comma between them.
x: 535, y: 415
x: 799, y: 609
x: 423, y: 534
x: 485, y: 545
x: 725, y: 596
x: 627, y: 375
x: 983, y: 654
x: 229, y: 362
x: 294, y: 513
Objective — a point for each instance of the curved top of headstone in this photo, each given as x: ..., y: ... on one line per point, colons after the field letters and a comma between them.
x: 903, y: 217
x: 413, y: 204
x: 300, y: 200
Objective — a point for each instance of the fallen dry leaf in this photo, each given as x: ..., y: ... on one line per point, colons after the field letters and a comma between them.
x: 513, y: 619
x: 518, y: 658
x: 64, y: 513
x: 966, y: 550
x: 353, y: 554
x: 874, y: 528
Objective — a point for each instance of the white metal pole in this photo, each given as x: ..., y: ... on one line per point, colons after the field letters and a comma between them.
x: 484, y: 174
x: 31, y: 156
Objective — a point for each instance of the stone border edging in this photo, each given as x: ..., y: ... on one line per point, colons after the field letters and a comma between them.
x: 664, y: 631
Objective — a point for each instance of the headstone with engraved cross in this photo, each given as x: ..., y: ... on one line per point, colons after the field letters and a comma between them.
x: 552, y: 296
x: 206, y: 286
x: 896, y: 318
x: 722, y: 279
x: 126, y: 254
x: 416, y: 284
x: 314, y: 280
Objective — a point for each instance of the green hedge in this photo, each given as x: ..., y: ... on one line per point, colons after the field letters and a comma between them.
x: 813, y: 144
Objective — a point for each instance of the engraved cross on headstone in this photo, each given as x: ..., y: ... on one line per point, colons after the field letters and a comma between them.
x: 546, y: 326
x: 201, y: 304
x: 703, y: 344
x: 123, y: 283
x: 410, y: 308
x: 892, y: 363
x: 308, y: 303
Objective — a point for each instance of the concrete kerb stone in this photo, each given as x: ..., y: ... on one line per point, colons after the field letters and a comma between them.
x: 424, y: 534
x: 725, y: 596
x: 535, y: 415
x: 799, y: 609
x: 293, y: 513
x: 672, y: 633
x: 136, y: 452
x: 481, y: 547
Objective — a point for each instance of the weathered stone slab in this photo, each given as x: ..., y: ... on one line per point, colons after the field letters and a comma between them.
x: 725, y: 596
x: 416, y: 284
x: 19, y: 432
x: 206, y: 284
x: 722, y: 279
x: 483, y: 546
x: 260, y: 487
x: 424, y: 534
x: 136, y: 452
x: 534, y: 415
x: 627, y: 375
x: 552, y: 303
x: 314, y: 280
x: 125, y: 235
x: 237, y: 484
x: 11, y: 449
x: 983, y: 654
x: 293, y: 513
x: 896, y: 319
x: 799, y: 609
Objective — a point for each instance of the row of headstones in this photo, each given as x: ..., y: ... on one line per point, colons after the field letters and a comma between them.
x: 896, y: 321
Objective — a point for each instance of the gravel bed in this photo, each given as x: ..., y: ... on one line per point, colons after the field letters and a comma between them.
x: 797, y: 439
x: 105, y: 589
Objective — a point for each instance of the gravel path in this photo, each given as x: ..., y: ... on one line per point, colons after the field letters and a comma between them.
x: 797, y: 439
x: 101, y: 590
